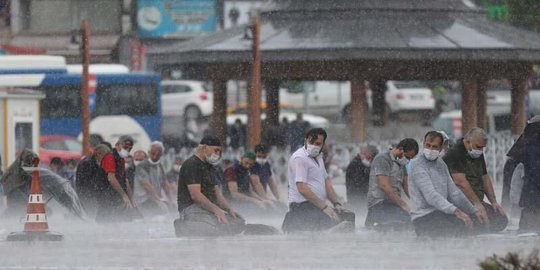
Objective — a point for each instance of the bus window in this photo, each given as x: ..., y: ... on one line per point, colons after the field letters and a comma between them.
x: 61, y: 101
x: 126, y: 99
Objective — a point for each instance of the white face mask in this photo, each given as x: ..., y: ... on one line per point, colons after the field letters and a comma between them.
x: 366, y: 162
x: 213, y: 159
x: 123, y: 153
x: 431, y: 154
x: 402, y: 161
x: 136, y: 162
x: 313, y: 150
x: 154, y: 163
x: 475, y: 153
x: 261, y: 161
x: 126, y: 166
x: 177, y: 168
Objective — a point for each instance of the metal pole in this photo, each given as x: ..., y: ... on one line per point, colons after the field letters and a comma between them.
x: 85, y: 107
x: 254, y: 114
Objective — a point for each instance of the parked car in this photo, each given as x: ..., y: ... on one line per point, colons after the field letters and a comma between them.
x: 333, y: 96
x: 190, y: 99
x: 64, y: 147
x: 498, y: 119
x: 313, y: 120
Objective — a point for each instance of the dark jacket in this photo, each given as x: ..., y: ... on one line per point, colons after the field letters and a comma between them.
x: 357, y: 179
x: 530, y: 194
x: 90, y: 179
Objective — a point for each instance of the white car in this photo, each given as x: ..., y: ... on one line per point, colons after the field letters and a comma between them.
x: 332, y: 96
x: 190, y: 99
x: 314, y: 120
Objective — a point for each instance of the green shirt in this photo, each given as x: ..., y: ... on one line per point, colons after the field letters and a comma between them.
x: 458, y: 161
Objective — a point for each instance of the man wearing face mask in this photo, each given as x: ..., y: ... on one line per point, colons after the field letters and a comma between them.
x: 204, y: 211
x: 131, y: 164
x: 16, y: 184
x: 438, y: 207
x: 387, y: 180
x: 119, y: 206
x: 90, y: 179
x: 241, y: 188
x: 466, y: 163
x: 150, y: 181
x: 262, y: 171
x: 357, y: 176
x: 310, y: 188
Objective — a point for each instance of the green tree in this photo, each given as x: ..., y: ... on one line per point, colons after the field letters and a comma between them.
x: 524, y: 13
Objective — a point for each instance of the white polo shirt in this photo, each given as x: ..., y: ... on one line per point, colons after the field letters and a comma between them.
x: 303, y: 168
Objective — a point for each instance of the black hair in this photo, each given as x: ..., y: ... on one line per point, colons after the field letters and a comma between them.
x: 408, y: 144
x: 313, y: 133
x: 57, y: 161
x: 261, y: 148
x: 434, y: 134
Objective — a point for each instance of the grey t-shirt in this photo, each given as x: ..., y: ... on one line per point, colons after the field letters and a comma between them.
x: 384, y: 164
x: 147, y: 172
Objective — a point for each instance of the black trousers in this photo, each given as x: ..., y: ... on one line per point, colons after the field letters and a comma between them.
x: 306, y: 216
x: 440, y: 224
x: 497, y: 222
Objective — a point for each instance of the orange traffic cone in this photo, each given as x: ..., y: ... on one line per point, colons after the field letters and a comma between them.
x: 36, y: 226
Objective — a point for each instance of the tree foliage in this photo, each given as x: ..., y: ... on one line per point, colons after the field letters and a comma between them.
x: 512, y: 261
x: 524, y: 13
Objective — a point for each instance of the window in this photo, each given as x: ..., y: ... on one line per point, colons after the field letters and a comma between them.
x: 411, y: 84
x: 298, y: 87
x: 23, y: 136
x: 173, y: 89
x: 105, y: 15
x: 55, y: 145
x: 126, y: 99
x: 61, y: 101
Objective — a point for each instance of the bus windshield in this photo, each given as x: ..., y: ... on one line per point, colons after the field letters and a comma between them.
x: 126, y: 99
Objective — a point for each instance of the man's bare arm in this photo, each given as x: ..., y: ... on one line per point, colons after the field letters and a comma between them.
x: 461, y: 182
x: 304, y: 189
x: 385, y: 185
x: 201, y: 200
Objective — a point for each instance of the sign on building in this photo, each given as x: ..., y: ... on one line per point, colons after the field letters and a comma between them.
x: 175, y: 18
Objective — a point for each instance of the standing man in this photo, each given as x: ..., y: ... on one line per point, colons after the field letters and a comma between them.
x: 203, y: 209
x: 357, y: 176
x: 116, y: 204
x: 439, y: 208
x: 387, y: 180
x: 150, y: 181
x: 89, y: 178
x: 310, y: 188
x: 466, y: 163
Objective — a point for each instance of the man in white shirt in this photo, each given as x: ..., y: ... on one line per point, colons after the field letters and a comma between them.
x: 310, y: 188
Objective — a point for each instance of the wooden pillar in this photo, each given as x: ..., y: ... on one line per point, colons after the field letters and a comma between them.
x: 378, y: 101
x: 469, y: 96
x: 359, y: 106
x: 272, y: 102
x: 219, y: 114
x: 517, y: 109
x: 481, y: 101
x: 253, y: 136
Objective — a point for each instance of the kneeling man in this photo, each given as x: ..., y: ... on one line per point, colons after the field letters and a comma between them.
x: 438, y: 206
x: 203, y: 209
x: 310, y: 188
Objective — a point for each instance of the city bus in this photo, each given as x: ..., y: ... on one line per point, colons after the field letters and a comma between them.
x: 121, y: 102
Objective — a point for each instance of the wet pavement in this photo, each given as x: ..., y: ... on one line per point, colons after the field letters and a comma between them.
x: 151, y: 244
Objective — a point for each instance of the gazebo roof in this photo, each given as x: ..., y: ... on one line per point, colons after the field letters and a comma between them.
x: 317, y: 30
